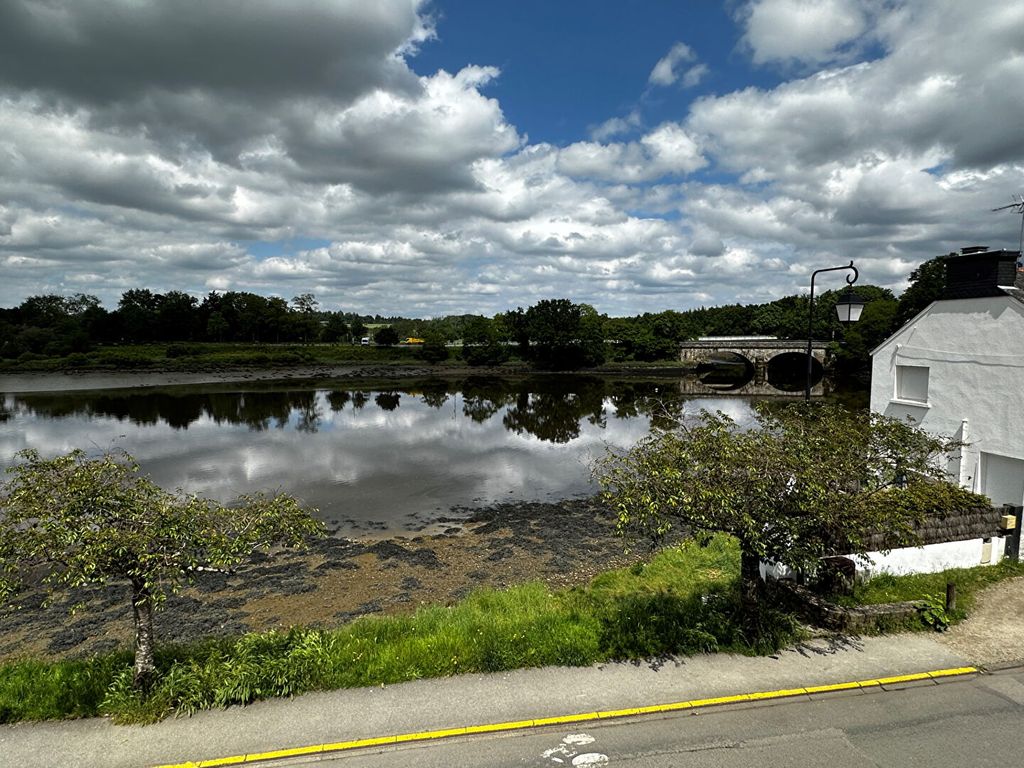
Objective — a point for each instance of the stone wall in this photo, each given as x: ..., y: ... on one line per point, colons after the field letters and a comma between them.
x: 979, y: 523
x: 863, y: 618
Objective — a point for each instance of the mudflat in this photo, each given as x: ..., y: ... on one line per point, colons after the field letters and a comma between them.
x: 338, y: 579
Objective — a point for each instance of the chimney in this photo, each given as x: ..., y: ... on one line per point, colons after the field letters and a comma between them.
x: 977, y: 272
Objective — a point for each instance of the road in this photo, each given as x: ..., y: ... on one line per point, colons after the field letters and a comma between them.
x: 972, y: 722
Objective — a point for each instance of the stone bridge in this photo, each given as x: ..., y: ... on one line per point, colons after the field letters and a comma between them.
x: 759, y: 353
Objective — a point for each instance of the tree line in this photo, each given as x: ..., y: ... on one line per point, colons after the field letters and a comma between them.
x: 553, y: 333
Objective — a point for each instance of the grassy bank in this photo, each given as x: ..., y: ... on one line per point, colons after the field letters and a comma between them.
x: 923, y: 586
x: 211, y: 356
x: 682, y: 601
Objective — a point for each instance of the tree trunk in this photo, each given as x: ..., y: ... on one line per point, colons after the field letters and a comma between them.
x: 750, y: 588
x: 145, y: 666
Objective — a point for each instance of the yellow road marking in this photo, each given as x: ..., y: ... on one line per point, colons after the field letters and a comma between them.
x: 518, y: 725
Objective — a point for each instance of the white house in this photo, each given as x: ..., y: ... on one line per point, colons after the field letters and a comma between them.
x: 957, y: 369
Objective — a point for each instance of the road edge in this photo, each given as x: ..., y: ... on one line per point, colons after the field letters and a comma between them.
x: 518, y: 725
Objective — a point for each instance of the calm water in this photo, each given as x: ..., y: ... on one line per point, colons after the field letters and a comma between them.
x: 369, y: 459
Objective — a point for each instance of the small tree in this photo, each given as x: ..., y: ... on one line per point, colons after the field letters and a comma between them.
x: 807, y: 481
x: 386, y: 336
x: 81, y: 521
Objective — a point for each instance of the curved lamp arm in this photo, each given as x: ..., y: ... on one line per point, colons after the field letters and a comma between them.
x: 850, y: 280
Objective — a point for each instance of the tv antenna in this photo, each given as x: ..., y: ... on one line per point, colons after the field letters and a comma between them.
x: 1017, y: 206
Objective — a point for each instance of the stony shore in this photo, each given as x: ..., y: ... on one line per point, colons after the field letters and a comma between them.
x: 337, y: 579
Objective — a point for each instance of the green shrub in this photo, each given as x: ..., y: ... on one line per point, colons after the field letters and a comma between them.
x: 76, y: 360
x: 174, y: 351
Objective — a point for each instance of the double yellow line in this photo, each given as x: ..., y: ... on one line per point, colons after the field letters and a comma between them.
x: 518, y: 725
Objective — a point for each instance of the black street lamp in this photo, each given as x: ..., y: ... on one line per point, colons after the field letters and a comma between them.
x: 848, y: 308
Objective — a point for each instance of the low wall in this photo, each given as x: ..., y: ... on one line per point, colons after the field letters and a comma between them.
x: 863, y: 618
x: 933, y: 558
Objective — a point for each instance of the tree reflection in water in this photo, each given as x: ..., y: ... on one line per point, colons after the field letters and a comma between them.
x: 552, y: 409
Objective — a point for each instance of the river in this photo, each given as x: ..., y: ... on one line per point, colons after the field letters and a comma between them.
x: 384, y: 459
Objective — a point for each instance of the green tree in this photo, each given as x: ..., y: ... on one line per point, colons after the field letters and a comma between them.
x: 927, y: 283
x: 305, y: 303
x: 335, y: 329
x: 564, y: 336
x: 876, y: 323
x: 137, y: 311
x: 176, y: 316
x: 386, y: 336
x: 482, y: 342
x: 517, y: 329
x: 434, y: 349
x: 809, y: 480
x: 82, y: 521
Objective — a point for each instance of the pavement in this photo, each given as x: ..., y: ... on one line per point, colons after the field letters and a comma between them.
x: 565, y: 695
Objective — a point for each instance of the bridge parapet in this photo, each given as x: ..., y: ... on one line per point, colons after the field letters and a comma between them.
x: 758, y: 351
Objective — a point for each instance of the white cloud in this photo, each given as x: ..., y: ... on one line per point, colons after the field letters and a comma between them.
x: 669, y: 69
x: 667, y: 150
x: 384, y: 191
x: 665, y: 71
x: 692, y: 77
x: 808, y: 31
x: 616, y: 125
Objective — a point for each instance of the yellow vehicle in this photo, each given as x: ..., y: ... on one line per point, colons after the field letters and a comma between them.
x: 413, y: 340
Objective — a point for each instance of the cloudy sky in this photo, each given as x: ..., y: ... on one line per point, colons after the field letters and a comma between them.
x: 427, y: 157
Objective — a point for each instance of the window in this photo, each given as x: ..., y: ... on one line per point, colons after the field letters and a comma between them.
x: 912, y: 383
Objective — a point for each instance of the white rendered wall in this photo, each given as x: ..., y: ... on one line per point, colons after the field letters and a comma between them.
x: 931, y: 558
x: 974, y: 350
x: 928, y: 559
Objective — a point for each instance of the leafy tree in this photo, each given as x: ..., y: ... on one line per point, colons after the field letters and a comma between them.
x: 386, y: 336
x: 357, y: 328
x: 517, y: 327
x: 336, y: 329
x: 137, y: 310
x: 176, y: 316
x: 927, y: 283
x: 806, y: 482
x: 434, y: 349
x: 563, y: 335
x: 82, y: 521
x: 306, y: 303
x: 217, y: 327
x: 482, y: 342
x: 877, y: 322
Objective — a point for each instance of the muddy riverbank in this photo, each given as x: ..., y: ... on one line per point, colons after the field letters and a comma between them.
x: 561, y: 544
x: 75, y: 380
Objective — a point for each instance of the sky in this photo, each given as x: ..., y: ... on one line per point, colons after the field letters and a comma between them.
x: 433, y: 157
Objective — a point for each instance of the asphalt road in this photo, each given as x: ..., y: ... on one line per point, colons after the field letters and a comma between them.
x: 973, y: 722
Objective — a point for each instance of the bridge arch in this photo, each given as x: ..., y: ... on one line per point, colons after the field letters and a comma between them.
x: 787, y: 371
x: 784, y: 360
x: 727, y: 371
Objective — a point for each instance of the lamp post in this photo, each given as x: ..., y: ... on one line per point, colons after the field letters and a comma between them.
x: 848, y: 308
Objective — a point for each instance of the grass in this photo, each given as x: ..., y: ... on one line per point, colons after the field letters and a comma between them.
x: 205, y: 356
x: 920, y: 586
x: 212, y: 356
x: 683, y: 601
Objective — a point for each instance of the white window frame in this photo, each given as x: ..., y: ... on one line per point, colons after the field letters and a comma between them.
x: 899, y: 393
